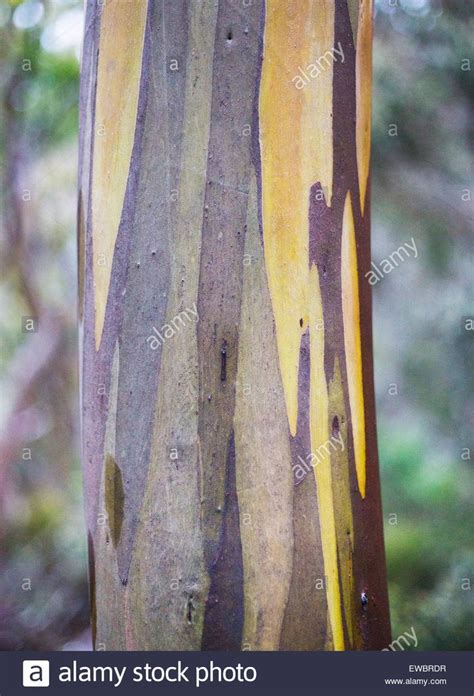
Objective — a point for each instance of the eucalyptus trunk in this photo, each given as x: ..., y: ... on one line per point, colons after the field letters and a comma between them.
x: 229, y: 444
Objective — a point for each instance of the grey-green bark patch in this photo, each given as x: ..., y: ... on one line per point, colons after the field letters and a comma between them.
x: 353, y: 7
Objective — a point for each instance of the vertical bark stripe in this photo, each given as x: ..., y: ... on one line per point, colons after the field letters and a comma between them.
x: 319, y: 410
x: 352, y: 339
x: 364, y: 95
x: 168, y: 562
x: 340, y: 470
x: 353, y: 7
x: 122, y: 35
x: 263, y: 460
x: 294, y: 154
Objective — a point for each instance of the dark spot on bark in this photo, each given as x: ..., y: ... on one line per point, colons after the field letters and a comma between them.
x: 335, y: 426
x: 224, y: 361
x: 229, y: 35
x: 114, y: 498
x: 301, y: 321
x: 190, y: 608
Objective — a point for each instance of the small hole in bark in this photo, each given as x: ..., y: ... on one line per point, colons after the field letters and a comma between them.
x: 301, y: 322
x: 335, y: 426
x: 229, y: 35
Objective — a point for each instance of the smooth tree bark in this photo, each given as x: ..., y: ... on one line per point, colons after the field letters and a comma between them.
x: 229, y: 444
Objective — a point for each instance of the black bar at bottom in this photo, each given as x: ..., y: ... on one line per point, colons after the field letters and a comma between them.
x: 289, y: 673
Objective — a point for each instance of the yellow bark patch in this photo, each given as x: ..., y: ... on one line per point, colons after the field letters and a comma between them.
x: 296, y: 150
x: 352, y: 341
x: 122, y: 32
x: 319, y: 427
x: 363, y: 95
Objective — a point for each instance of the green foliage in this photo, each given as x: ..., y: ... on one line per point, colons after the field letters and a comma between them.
x: 422, y: 347
x: 429, y: 542
x: 43, y: 579
x: 49, y: 119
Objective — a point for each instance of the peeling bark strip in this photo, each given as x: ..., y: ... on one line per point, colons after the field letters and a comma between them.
x: 221, y: 513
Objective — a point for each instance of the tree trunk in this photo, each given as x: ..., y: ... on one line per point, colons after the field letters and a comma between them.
x: 229, y: 445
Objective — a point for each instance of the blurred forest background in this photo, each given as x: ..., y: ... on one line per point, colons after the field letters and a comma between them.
x: 422, y: 189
